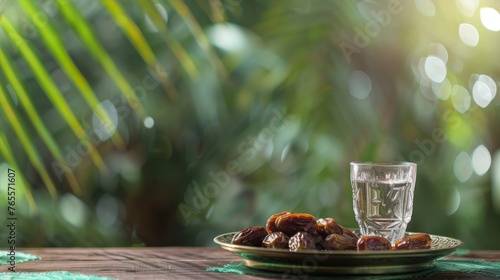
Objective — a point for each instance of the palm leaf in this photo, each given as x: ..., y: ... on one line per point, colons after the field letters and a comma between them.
x: 24, y: 139
x: 6, y: 152
x: 55, y: 45
x: 180, y: 53
x: 51, y: 89
x: 198, y: 35
x: 217, y: 9
x: 87, y: 36
x: 12, y: 76
x: 137, y: 39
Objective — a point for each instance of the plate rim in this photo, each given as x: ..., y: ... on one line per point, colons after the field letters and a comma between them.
x: 340, y: 262
x: 395, y: 253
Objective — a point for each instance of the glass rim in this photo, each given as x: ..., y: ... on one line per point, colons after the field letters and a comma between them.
x: 383, y: 164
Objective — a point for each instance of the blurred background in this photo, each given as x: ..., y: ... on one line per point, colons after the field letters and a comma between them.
x: 150, y: 123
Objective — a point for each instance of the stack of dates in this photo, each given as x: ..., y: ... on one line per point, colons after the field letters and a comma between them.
x: 299, y: 231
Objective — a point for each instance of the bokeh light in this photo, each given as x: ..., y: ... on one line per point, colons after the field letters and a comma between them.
x: 442, y: 90
x: 149, y: 122
x: 490, y: 19
x: 426, y: 7
x: 107, y: 210
x: 481, y: 160
x: 228, y: 37
x: 467, y: 7
x: 104, y: 130
x: 360, y: 84
x: 435, y: 68
x: 454, y: 202
x: 468, y: 34
x: 163, y: 13
x: 492, y: 85
x: 460, y: 98
x: 439, y: 50
x: 481, y: 94
x: 463, y: 167
x: 73, y: 210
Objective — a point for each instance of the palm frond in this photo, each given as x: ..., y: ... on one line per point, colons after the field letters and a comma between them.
x: 24, y: 139
x: 140, y: 43
x: 55, y: 45
x: 51, y: 89
x: 5, y: 150
x: 12, y: 77
x: 199, y: 35
x: 180, y: 53
x: 87, y: 36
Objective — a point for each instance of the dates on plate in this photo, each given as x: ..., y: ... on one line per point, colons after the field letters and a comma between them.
x: 340, y: 242
x: 271, y: 222
x: 373, y: 243
x: 302, y: 231
x: 251, y: 236
x: 327, y: 226
x: 301, y: 241
x: 292, y: 223
x: 349, y: 233
x: 415, y: 241
x: 276, y: 240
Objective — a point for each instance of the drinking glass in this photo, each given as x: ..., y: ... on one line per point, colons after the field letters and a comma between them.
x: 382, y: 196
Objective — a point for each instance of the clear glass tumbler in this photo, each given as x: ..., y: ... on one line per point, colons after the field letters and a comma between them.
x: 382, y: 196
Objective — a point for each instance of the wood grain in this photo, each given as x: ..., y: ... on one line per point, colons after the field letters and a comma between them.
x: 166, y: 262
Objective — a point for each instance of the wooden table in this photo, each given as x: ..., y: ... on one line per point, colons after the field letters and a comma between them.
x: 167, y: 263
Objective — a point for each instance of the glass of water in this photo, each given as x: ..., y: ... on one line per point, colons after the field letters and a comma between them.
x: 382, y: 196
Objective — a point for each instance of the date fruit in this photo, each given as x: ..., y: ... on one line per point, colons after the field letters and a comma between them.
x: 292, y: 223
x: 415, y: 241
x: 271, y: 222
x: 327, y: 226
x: 276, y: 240
x: 339, y: 242
x: 349, y: 233
x: 373, y: 243
x: 301, y: 241
x: 251, y: 236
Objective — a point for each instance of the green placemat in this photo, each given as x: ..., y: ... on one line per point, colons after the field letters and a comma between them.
x: 24, y: 257
x: 465, y: 266
x: 54, y: 275
x: 20, y: 257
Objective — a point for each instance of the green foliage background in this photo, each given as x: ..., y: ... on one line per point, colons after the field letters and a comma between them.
x: 169, y: 122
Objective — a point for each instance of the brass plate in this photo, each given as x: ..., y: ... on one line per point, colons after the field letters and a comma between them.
x: 340, y: 262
